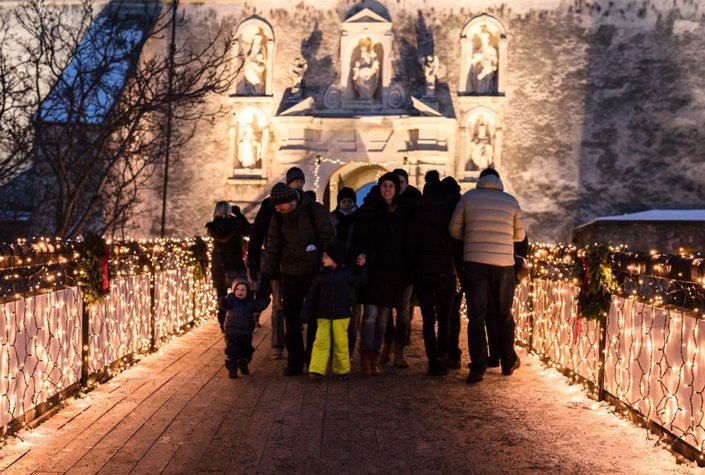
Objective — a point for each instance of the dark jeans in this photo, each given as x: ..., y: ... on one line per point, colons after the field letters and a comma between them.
x: 485, y: 284
x: 436, y: 293
x: 278, y: 339
x: 354, y: 326
x: 294, y: 289
x: 454, y: 352
x: 238, y: 347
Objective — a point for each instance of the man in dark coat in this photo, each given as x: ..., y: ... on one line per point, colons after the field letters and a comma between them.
x: 434, y: 272
x: 299, y: 230
x: 258, y: 241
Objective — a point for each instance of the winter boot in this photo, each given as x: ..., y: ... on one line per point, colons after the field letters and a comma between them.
x: 244, y: 368
x: 365, y: 362
x: 384, y: 357
x: 374, y: 364
x: 232, y: 373
x: 399, y: 358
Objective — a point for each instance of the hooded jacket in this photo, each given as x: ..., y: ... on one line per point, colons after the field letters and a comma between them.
x: 489, y: 221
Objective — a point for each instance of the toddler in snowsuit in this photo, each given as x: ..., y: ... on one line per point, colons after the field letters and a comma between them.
x: 328, y: 300
x: 239, y: 324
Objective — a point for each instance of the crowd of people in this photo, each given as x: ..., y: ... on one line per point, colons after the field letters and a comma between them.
x: 351, y: 276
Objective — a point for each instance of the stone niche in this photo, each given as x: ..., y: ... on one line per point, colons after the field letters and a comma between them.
x: 254, y: 58
x: 483, y: 50
x: 365, y: 81
x: 249, y: 136
x: 480, y: 142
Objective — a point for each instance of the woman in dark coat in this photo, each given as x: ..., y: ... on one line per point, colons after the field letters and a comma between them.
x: 227, y: 264
x: 380, y: 234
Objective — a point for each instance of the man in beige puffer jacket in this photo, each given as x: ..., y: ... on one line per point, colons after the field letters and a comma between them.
x: 489, y: 221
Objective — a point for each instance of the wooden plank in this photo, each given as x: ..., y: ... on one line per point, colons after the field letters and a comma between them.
x: 183, y: 442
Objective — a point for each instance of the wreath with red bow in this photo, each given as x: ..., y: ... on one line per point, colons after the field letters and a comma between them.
x: 597, y: 282
x: 93, y: 268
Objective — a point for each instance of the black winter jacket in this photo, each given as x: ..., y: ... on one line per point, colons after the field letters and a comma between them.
x: 227, y: 247
x: 240, y: 316
x: 295, y: 242
x: 430, y: 243
x: 381, y: 236
x: 329, y: 294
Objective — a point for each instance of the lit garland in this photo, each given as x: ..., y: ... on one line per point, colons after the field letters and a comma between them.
x: 153, y: 296
x: 320, y: 160
x: 648, y: 359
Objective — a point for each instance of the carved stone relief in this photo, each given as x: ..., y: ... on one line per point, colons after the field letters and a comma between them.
x: 483, y: 62
x: 255, y: 56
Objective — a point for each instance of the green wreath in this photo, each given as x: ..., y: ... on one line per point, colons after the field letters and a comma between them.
x: 92, y: 268
x: 597, y: 282
x: 199, y: 258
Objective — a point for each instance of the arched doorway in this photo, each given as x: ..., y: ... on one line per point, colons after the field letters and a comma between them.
x: 360, y: 178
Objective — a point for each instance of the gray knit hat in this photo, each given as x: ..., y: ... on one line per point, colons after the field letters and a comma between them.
x: 294, y: 173
x: 282, y: 193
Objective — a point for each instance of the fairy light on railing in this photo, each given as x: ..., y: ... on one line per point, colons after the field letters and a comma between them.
x: 652, y: 348
x: 334, y: 161
x: 41, y: 314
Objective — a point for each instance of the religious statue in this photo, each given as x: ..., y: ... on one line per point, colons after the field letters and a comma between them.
x: 430, y: 72
x: 297, y: 75
x: 255, y: 65
x: 248, y: 148
x: 481, y: 147
x: 483, y: 67
x: 365, y: 71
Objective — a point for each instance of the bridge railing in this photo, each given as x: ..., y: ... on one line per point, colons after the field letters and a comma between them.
x: 55, y: 341
x: 646, y: 356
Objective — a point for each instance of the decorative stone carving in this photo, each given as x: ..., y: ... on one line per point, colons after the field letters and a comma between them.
x: 482, y: 78
x: 430, y: 72
x: 333, y: 97
x: 255, y: 65
x: 397, y: 96
x: 365, y: 70
x: 255, y: 56
x: 298, y: 70
x: 248, y: 141
x: 483, y: 44
x: 481, y: 146
x: 249, y: 148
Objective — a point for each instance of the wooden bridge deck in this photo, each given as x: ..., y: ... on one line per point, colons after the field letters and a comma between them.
x: 176, y: 411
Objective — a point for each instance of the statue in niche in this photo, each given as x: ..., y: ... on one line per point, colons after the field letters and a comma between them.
x: 255, y: 65
x: 365, y: 71
x: 481, y: 147
x: 249, y: 148
x: 297, y: 75
x: 430, y: 72
x: 483, y: 67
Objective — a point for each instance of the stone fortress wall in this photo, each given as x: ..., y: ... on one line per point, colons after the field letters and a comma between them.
x: 597, y: 108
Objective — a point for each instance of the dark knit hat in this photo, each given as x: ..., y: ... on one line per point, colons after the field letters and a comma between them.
x: 282, y: 193
x: 433, y: 182
x: 401, y: 172
x: 449, y: 186
x: 489, y: 171
x: 337, y: 251
x: 393, y: 177
x: 346, y: 192
x: 294, y: 173
x: 240, y: 281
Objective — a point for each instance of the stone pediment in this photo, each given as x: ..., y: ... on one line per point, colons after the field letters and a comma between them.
x: 366, y: 16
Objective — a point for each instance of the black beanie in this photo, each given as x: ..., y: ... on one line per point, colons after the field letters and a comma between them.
x: 394, y: 178
x: 489, y: 171
x: 346, y: 192
x: 449, y: 186
x: 294, y: 173
x: 282, y: 193
x: 337, y: 251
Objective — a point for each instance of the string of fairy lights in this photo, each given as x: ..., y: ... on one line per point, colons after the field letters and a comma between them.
x: 155, y: 294
x: 646, y: 353
x: 321, y: 160
x: 650, y: 354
